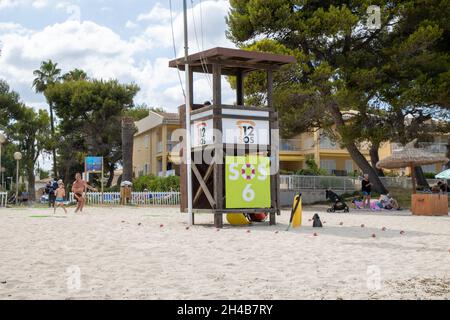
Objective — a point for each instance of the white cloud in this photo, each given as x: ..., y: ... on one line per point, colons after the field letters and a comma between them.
x: 206, y: 27
x: 38, y: 4
x: 4, y: 4
x: 130, y: 25
x: 102, y: 53
x: 157, y: 14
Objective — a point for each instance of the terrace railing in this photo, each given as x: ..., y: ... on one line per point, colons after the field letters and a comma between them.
x: 342, y: 184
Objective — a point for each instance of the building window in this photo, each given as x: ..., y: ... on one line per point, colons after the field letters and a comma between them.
x: 349, y: 166
x: 430, y: 168
x: 328, y: 165
x: 147, y: 141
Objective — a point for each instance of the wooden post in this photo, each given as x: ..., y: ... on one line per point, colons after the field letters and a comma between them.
x: 269, y: 88
x: 240, y: 88
x: 218, y: 147
x: 413, y: 177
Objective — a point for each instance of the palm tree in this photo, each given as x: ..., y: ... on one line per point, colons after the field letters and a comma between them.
x: 75, y: 75
x: 47, y: 75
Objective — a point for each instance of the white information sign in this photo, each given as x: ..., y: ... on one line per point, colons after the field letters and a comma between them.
x: 243, y: 131
x: 202, y: 133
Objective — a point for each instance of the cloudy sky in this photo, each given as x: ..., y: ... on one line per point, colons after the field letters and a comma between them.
x: 130, y: 40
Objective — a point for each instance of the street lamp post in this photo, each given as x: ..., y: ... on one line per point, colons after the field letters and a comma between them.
x: 2, y: 141
x: 17, y: 157
x: 2, y: 171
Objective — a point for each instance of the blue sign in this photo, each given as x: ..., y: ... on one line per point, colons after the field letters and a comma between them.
x: 94, y: 164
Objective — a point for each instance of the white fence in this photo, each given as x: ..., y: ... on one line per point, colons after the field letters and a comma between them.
x: 3, y: 199
x: 137, y: 198
x: 344, y: 184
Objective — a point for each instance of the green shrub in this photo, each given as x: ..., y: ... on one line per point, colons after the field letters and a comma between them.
x: 429, y: 175
x: 156, y: 184
x: 312, y: 169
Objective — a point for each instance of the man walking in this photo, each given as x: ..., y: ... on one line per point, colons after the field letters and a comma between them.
x: 79, y: 188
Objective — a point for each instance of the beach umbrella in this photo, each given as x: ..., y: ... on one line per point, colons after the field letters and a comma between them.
x: 410, y: 157
x: 443, y: 175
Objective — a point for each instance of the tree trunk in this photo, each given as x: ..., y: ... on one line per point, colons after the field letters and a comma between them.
x: 356, y: 155
x: 52, y: 127
x: 374, y: 158
x: 110, y: 178
x: 128, y: 130
x: 448, y: 152
x: 31, y: 181
x: 420, y: 177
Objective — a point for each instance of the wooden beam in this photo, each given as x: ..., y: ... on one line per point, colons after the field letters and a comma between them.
x: 205, y: 179
x: 269, y: 88
x: 218, y: 153
x: 203, y: 185
x: 240, y: 88
x: 217, y: 85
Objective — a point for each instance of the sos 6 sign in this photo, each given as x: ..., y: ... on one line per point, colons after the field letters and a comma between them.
x: 247, y: 182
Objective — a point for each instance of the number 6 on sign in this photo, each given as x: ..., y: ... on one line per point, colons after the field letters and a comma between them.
x: 248, y: 194
x: 246, y: 183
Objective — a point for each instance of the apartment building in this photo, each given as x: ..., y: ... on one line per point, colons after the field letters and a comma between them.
x: 153, y: 146
x: 318, y: 146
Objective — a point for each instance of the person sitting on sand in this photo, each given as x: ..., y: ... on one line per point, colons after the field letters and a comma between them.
x: 388, y: 202
x: 79, y: 188
x: 60, y: 194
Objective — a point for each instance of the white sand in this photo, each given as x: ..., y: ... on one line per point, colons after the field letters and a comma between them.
x: 118, y: 259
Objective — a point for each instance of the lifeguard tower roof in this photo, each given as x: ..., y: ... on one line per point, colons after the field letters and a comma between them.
x: 232, y: 61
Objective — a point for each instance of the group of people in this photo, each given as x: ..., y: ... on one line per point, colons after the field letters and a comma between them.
x: 386, y: 201
x: 56, y: 192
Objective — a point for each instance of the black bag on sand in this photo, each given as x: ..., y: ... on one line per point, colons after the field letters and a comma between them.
x: 316, y: 221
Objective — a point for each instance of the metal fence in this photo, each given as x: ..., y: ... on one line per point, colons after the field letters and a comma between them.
x: 137, y: 198
x: 343, y: 184
x: 3, y: 199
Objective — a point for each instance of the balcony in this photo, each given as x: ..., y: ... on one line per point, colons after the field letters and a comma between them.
x: 290, y: 145
x: 433, y: 147
x: 159, y: 147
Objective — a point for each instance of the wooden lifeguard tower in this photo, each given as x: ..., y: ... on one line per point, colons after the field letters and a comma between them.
x: 232, y: 134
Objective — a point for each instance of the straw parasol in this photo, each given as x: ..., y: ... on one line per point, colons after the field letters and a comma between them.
x: 410, y: 157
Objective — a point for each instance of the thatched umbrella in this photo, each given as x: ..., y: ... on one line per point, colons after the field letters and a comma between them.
x: 410, y: 157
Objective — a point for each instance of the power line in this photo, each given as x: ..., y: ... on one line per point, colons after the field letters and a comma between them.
x: 202, y: 59
x: 175, y: 49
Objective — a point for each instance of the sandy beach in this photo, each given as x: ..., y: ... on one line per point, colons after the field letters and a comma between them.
x: 148, y: 253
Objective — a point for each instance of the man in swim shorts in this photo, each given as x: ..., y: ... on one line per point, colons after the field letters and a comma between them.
x: 78, y: 188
